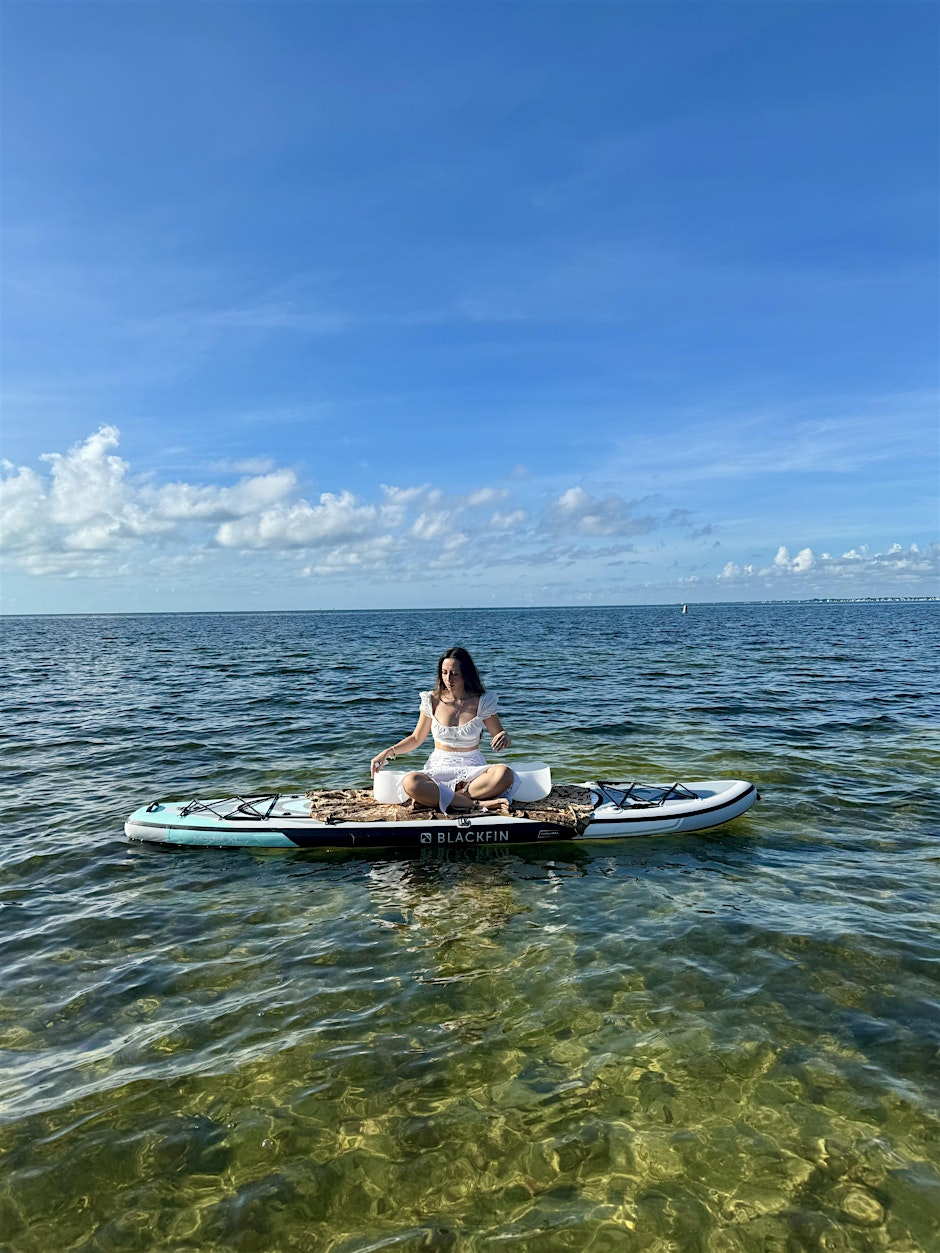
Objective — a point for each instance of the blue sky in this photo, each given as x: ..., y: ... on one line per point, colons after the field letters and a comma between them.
x: 408, y: 304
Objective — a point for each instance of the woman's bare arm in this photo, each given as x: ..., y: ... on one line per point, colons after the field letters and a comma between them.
x: 408, y: 745
x: 500, y: 739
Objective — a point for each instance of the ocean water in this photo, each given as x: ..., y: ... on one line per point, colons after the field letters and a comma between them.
x: 720, y: 1042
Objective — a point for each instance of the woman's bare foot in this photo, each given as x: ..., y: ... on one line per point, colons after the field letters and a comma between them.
x: 495, y: 805
x: 417, y: 807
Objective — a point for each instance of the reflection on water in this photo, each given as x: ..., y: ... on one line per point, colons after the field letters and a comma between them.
x: 727, y: 1042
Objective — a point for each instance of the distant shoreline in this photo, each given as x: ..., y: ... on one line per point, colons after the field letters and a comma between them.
x: 839, y: 600
x: 702, y: 604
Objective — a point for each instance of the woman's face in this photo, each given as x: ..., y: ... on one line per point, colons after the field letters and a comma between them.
x: 451, y: 674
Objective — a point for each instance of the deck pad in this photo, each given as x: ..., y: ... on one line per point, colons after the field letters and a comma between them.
x: 569, y: 805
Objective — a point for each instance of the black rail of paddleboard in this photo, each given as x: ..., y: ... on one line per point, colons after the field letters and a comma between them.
x: 431, y: 836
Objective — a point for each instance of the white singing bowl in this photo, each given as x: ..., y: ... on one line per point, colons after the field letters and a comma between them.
x: 534, y: 782
x: 385, y: 786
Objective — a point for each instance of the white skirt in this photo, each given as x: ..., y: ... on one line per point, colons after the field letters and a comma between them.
x: 449, y: 769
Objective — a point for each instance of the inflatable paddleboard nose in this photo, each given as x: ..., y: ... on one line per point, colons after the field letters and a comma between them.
x: 534, y: 782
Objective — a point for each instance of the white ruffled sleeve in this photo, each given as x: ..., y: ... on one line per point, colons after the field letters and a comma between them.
x: 487, y: 705
x: 426, y: 706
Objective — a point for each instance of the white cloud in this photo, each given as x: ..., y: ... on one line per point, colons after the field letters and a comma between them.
x: 249, y: 465
x: 398, y: 500
x: 804, y: 561
x: 486, y: 496
x: 24, y: 520
x: 86, y: 514
x: 575, y: 512
x: 89, y: 507
x: 335, y: 520
x: 432, y: 526
x: 90, y: 498
x: 810, y: 573
x: 512, y: 520
x: 364, y: 558
x: 86, y: 505
x: 220, y: 504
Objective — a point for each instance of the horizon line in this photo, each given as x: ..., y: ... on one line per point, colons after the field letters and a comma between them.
x: 677, y: 604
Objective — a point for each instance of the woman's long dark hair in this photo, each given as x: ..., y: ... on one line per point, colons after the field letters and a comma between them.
x: 471, y: 676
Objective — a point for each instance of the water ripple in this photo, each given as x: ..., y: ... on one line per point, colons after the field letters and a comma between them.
x: 727, y: 1042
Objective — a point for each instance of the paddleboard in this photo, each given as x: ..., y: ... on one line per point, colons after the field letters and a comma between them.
x: 593, y: 811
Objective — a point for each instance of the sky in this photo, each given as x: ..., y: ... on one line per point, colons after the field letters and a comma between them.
x: 375, y: 305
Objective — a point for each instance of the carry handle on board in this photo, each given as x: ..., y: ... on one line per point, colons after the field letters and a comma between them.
x: 535, y: 782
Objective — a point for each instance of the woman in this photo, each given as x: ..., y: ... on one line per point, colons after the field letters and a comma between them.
x: 456, y: 776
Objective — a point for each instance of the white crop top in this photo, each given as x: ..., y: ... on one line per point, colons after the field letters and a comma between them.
x: 467, y: 735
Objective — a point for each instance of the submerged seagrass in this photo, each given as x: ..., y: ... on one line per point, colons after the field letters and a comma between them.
x: 709, y: 1043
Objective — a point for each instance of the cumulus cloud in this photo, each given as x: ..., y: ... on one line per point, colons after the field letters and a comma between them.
x: 85, y: 504
x: 345, y: 559
x: 432, y: 526
x: 90, y: 505
x: 24, y: 521
x: 486, y: 496
x: 810, y: 573
x: 511, y: 520
x: 86, y: 513
x: 179, y: 501
x: 576, y: 512
x: 88, y: 509
x: 334, y: 520
x: 399, y: 500
x: 804, y: 561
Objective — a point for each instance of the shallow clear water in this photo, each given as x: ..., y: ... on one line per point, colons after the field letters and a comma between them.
x: 722, y: 1042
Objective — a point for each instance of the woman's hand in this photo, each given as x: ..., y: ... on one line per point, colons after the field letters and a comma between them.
x: 500, y: 741
x: 379, y: 761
